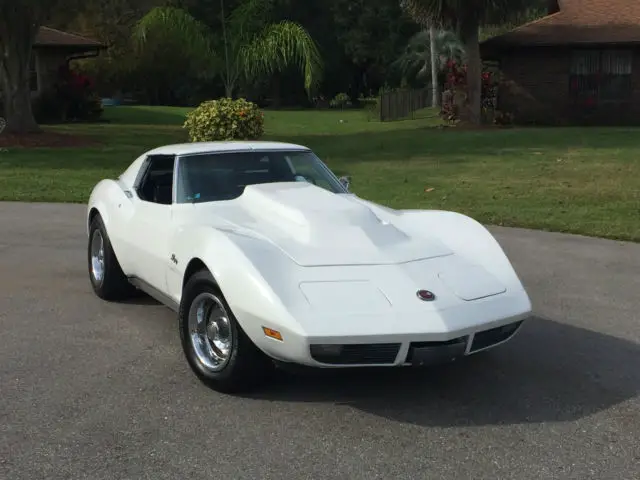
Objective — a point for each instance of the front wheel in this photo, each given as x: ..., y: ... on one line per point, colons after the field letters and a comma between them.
x: 107, y: 278
x: 217, y: 349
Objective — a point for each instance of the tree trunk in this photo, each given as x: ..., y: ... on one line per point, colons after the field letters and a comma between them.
x: 435, y: 84
x: 469, y: 34
x: 228, y: 89
x: 16, y: 41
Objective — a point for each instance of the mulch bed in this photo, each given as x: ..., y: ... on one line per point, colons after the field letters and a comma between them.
x: 46, y: 140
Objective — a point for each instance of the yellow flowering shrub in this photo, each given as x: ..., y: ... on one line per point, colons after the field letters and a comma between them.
x: 225, y: 119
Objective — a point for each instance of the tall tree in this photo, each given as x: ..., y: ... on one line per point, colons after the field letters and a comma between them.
x: 372, y: 33
x: 466, y: 16
x: 435, y: 90
x: 252, y: 46
x: 427, y: 53
x: 20, y: 22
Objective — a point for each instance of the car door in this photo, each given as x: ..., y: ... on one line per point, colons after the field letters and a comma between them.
x: 150, y: 226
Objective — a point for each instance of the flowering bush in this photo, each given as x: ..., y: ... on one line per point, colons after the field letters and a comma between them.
x: 225, y: 119
x: 455, y: 91
x: 341, y: 100
x: 72, y: 98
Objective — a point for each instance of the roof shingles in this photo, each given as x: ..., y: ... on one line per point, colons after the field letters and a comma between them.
x: 50, y: 37
x: 578, y: 22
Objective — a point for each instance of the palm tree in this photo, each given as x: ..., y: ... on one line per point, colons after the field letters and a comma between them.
x: 466, y: 17
x: 427, y: 52
x: 252, y: 46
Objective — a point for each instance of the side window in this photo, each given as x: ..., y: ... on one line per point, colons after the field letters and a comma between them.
x: 304, y: 170
x: 155, y: 184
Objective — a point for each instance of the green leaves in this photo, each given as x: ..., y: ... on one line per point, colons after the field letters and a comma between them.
x: 466, y: 16
x: 449, y: 13
x: 225, y: 119
x: 169, y: 25
x: 415, y: 62
x: 254, y: 46
x: 280, y: 45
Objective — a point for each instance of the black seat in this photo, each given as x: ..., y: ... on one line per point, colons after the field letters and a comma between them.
x: 162, y: 194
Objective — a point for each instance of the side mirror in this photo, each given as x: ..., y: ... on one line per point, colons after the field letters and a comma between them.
x: 345, y: 181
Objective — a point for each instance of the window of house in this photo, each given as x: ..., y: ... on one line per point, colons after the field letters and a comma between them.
x: 601, y: 76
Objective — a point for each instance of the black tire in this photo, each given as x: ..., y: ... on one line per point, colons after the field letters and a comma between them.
x: 246, y: 368
x: 113, y: 284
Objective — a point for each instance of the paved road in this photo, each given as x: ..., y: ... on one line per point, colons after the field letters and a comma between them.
x: 101, y: 391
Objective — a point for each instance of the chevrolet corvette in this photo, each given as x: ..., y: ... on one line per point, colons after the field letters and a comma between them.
x: 267, y: 258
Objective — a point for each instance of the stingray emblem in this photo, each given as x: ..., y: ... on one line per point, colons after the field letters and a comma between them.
x: 426, y: 295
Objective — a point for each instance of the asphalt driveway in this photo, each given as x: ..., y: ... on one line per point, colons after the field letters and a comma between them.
x: 95, y: 390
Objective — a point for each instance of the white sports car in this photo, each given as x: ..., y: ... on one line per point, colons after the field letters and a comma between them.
x: 266, y: 256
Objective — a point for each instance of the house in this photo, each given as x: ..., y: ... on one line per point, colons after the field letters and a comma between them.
x: 578, y: 64
x: 53, y: 49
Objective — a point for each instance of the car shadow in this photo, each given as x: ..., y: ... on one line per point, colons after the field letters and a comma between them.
x: 549, y: 372
x: 141, y: 299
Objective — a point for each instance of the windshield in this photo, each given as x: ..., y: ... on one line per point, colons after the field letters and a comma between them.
x: 223, y: 176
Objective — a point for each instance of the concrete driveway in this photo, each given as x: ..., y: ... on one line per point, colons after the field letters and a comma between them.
x: 95, y: 390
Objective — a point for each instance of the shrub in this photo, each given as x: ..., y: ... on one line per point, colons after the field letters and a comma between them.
x: 341, y: 100
x: 454, y: 97
x: 225, y: 119
x: 71, y: 98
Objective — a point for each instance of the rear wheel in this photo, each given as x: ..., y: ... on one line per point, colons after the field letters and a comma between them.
x: 107, y: 278
x: 217, y: 349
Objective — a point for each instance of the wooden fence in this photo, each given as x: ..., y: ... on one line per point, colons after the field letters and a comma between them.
x: 401, y: 104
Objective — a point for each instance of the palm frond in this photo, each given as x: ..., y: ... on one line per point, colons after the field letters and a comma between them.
x: 447, y: 13
x: 280, y: 45
x: 250, y: 16
x: 169, y: 25
x: 415, y: 62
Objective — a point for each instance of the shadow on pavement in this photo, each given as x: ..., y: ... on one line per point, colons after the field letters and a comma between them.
x: 549, y: 372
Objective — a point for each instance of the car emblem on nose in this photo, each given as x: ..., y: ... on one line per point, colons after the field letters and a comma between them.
x: 426, y: 295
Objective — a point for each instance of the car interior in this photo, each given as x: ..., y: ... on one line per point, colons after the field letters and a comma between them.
x: 203, y: 180
x: 156, y: 184
x: 214, y: 177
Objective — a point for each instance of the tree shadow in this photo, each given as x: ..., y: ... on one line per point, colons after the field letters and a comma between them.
x: 144, y: 115
x: 549, y: 372
x: 452, y: 145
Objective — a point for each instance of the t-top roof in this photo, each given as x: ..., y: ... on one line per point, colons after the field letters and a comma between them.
x: 50, y: 37
x: 578, y: 22
x: 196, y: 148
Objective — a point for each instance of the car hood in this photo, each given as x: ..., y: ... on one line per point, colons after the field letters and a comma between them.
x: 315, y: 227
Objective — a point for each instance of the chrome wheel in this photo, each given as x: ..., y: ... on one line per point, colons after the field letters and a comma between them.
x: 210, y: 331
x: 97, y: 256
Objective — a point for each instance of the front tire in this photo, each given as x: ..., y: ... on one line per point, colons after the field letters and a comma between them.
x: 217, y: 349
x: 107, y: 278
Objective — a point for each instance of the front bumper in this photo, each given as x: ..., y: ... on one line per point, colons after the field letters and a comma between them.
x: 416, y: 353
x: 408, y: 350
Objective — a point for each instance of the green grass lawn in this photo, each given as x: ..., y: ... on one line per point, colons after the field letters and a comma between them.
x: 580, y: 180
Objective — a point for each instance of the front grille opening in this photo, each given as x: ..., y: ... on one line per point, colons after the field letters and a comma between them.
x: 495, y: 335
x: 354, y: 354
x: 445, y: 343
x: 453, y: 341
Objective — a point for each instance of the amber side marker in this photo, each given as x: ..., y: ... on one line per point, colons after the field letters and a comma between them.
x: 272, y: 333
